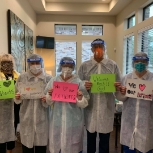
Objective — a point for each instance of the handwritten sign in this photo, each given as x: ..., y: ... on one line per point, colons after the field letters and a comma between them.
x: 64, y: 92
x: 33, y: 90
x: 7, y: 89
x: 102, y: 83
x: 139, y: 89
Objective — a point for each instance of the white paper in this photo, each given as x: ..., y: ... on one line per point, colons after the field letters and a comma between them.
x: 139, y: 89
x: 32, y: 90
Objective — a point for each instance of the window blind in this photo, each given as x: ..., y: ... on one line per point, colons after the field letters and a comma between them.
x: 145, y: 43
x: 128, y: 53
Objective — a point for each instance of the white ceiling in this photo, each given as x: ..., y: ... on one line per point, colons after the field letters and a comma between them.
x: 79, y: 7
x: 79, y: 1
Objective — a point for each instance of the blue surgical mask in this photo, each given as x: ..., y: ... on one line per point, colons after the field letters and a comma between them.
x: 140, y: 67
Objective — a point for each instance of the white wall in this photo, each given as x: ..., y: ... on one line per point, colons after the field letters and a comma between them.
x: 23, y: 10
x: 135, y: 7
x: 45, y: 27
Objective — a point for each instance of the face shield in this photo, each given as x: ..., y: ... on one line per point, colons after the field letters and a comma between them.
x: 140, y: 63
x: 35, y: 64
x: 67, y: 66
x: 99, y: 48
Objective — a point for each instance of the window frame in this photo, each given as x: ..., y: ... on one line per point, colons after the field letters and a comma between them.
x: 65, y: 25
x: 143, y: 17
x: 142, y: 45
x: 86, y: 41
x: 128, y: 21
x: 91, y: 26
x: 65, y: 41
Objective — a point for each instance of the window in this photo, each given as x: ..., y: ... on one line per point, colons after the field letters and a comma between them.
x: 131, y: 21
x: 128, y: 53
x: 148, y: 11
x: 64, y: 49
x: 65, y: 29
x: 86, y: 51
x: 92, y: 30
x: 146, y: 44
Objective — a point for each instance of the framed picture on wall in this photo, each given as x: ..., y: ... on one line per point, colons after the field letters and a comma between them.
x: 16, y: 42
x: 20, y: 41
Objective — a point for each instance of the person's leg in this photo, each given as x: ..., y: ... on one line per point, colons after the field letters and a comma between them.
x: 10, y: 146
x: 91, y: 142
x: 104, y: 142
x: 40, y: 149
x: 147, y: 152
x: 127, y: 150
x: 16, y: 115
x: 3, y: 147
x: 27, y: 150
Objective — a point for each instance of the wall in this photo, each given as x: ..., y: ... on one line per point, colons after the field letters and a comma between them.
x: 45, y: 27
x: 23, y: 10
x: 135, y: 7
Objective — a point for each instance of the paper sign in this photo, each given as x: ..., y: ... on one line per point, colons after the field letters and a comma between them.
x: 64, y: 92
x: 139, y: 89
x: 33, y: 90
x: 7, y: 89
x: 103, y: 83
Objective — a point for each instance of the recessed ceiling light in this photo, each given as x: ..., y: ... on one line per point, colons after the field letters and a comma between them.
x: 103, y: 0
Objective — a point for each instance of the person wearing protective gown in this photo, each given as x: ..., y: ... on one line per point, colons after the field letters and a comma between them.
x: 137, y: 114
x: 67, y: 119
x: 99, y: 114
x: 33, y: 112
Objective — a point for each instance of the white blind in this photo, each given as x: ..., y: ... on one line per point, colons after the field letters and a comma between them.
x: 86, y: 51
x: 128, y: 53
x: 145, y: 43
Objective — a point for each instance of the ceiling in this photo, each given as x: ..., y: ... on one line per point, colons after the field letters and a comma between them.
x: 79, y: 7
x: 80, y: 1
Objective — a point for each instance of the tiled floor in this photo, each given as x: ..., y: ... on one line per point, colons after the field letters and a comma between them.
x: 18, y: 148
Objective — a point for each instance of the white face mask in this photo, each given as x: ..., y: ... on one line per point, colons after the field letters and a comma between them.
x: 35, y: 69
x: 66, y: 72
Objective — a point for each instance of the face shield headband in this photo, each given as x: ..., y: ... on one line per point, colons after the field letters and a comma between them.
x: 67, y: 62
x: 98, y: 42
x: 40, y: 60
x: 140, y: 58
x: 35, y: 60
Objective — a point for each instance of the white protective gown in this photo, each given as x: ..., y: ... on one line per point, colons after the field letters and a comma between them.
x: 67, y: 121
x: 99, y: 115
x: 33, y: 114
x: 7, y: 130
x: 137, y: 118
